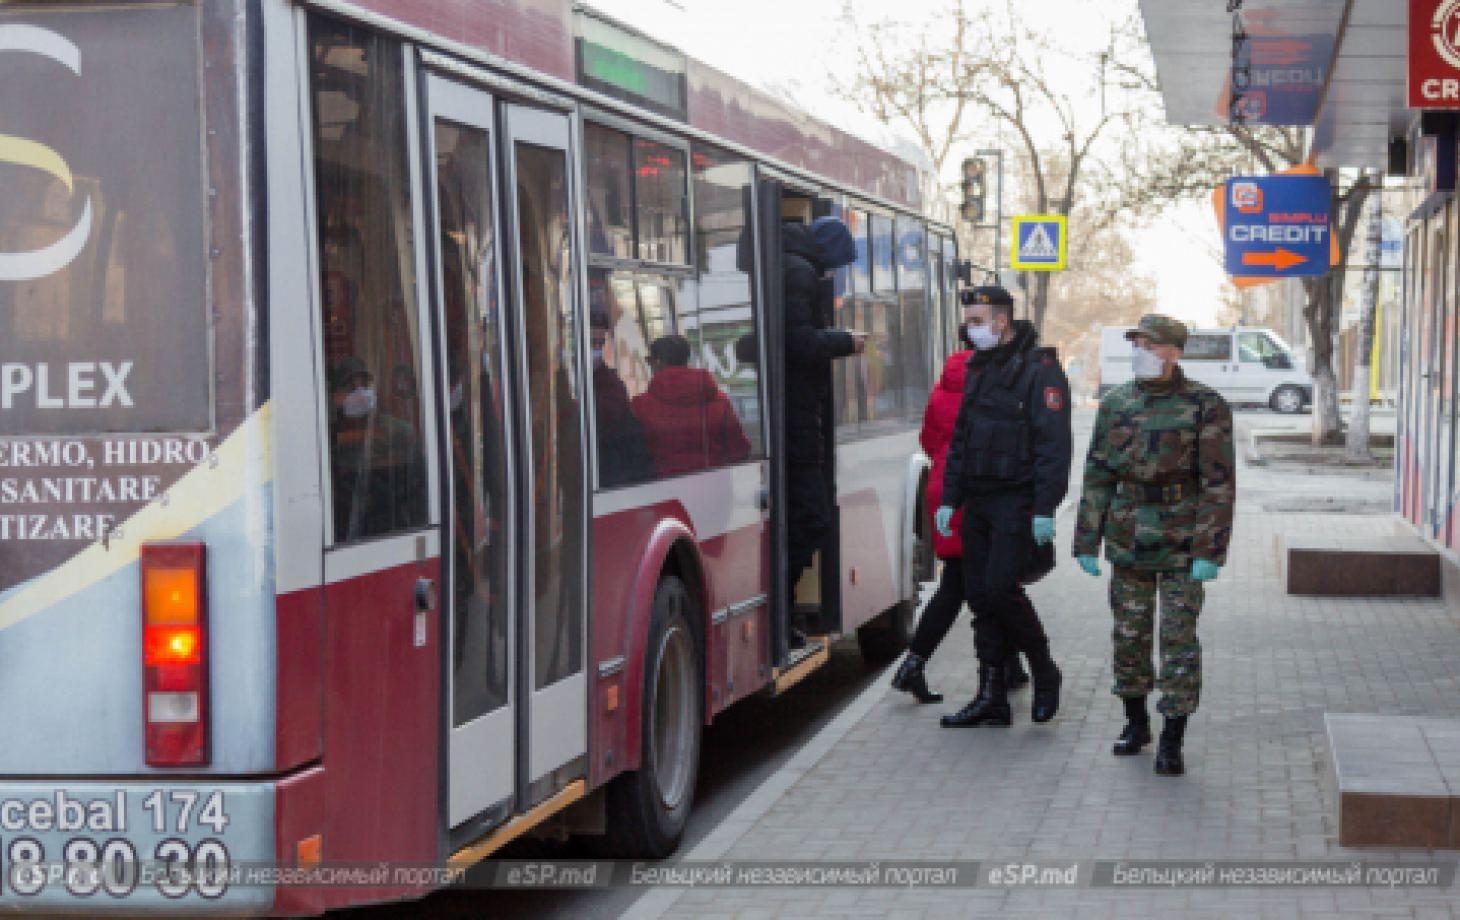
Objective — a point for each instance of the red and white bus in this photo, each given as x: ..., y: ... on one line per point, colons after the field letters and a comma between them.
x: 346, y: 517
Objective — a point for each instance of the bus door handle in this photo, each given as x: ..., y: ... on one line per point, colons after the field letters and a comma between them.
x: 763, y: 498
x: 425, y: 594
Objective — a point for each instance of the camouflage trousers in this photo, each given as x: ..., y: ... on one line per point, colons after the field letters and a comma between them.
x: 1133, y: 596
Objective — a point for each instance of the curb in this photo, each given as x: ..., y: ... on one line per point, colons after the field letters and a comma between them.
x: 655, y: 902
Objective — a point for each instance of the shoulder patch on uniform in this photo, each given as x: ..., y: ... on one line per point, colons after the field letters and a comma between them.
x: 1054, y: 399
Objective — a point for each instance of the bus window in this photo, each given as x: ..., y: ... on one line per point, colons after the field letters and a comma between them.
x: 915, y: 346
x: 938, y: 313
x: 882, y: 319
x: 659, y: 197
x: 620, y: 369
x: 367, y: 282
x: 727, y: 308
x: 610, y: 196
x: 103, y: 305
x: 882, y: 257
x: 852, y: 407
x: 686, y: 415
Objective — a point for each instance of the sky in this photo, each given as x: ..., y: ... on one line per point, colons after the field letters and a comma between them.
x: 799, y: 49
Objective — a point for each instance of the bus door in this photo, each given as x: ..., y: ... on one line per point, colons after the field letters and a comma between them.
x: 817, y: 601
x: 512, y: 442
x: 479, y: 518
x: 549, y: 412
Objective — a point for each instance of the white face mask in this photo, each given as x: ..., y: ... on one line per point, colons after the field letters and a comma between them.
x: 359, y: 402
x: 982, y: 336
x: 1146, y: 364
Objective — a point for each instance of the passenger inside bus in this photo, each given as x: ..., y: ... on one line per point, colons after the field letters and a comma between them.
x: 687, y: 419
x: 373, y: 451
x: 623, y: 456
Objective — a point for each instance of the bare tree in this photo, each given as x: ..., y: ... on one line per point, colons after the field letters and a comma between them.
x: 1357, y: 448
x: 1188, y: 162
x: 980, y: 70
x: 1016, y: 89
x: 909, y: 79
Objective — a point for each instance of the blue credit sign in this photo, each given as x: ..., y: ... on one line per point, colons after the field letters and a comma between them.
x: 1277, y: 226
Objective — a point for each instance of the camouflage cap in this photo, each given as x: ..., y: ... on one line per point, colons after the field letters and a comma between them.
x: 1162, y: 330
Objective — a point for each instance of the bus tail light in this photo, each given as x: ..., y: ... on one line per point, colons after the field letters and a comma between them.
x: 175, y: 654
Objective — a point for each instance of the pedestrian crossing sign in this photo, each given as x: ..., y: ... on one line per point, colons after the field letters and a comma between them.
x: 1040, y: 243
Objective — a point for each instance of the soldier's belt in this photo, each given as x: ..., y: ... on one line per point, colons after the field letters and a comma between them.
x: 1157, y: 493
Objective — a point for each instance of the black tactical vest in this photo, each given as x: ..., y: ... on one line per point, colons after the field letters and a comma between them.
x: 1000, y: 439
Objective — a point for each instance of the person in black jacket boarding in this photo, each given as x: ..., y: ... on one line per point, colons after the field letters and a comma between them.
x: 811, y: 345
x: 1008, y: 466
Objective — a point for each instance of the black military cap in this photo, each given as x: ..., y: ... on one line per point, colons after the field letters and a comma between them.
x: 992, y: 294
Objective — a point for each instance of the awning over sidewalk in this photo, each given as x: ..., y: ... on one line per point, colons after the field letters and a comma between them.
x: 1335, y: 65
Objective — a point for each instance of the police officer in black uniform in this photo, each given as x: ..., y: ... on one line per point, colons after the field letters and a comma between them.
x: 1009, y: 466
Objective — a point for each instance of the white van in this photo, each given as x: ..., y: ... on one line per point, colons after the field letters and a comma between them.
x: 1243, y: 364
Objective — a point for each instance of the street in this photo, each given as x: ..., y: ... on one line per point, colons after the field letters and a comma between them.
x: 899, y: 787
x: 745, y: 746
x: 416, y: 415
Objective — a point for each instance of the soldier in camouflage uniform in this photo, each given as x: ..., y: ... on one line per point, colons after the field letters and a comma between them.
x: 1160, y: 483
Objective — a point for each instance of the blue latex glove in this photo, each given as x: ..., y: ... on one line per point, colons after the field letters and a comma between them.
x: 1204, y: 570
x: 1043, y: 530
x: 942, y: 519
x: 1090, y: 564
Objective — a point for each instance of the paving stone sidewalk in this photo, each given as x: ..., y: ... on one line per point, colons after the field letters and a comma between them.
x: 897, y: 786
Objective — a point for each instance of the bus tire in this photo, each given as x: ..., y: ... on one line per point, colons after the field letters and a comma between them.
x: 885, y: 637
x: 648, y: 808
x: 1287, y: 400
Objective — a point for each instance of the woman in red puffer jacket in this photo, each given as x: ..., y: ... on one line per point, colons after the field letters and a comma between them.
x: 943, y: 607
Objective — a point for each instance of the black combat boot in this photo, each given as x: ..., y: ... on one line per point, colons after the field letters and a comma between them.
x: 1017, y: 676
x: 1047, y: 680
x: 990, y: 707
x: 1137, y: 731
x: 1168, y: 749
x: 911, y: 679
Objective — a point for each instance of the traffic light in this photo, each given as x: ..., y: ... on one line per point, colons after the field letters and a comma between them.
x: 974, y: 171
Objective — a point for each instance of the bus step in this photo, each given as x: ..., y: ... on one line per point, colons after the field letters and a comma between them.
x: 801, y: 662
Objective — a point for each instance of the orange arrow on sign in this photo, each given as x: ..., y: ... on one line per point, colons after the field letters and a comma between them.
x: 1280, y: 258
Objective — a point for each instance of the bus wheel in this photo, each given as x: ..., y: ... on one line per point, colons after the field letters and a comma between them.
x: 884, y: 638
x: 1287, y: 400
x: 649, y: 807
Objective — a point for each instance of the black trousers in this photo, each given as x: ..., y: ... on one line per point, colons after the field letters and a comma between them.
x: 940, y: 612
x: 942, y: 609
x: 997, y: 542
x: 808, y: 517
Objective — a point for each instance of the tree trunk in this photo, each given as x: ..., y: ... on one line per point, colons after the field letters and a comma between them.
x: 1357, y: 448
x: 1319, y: 314
x: 1325, y: 305
x: 1039, y: 300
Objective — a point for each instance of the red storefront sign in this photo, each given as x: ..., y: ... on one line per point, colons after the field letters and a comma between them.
x: 1434, y: 54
